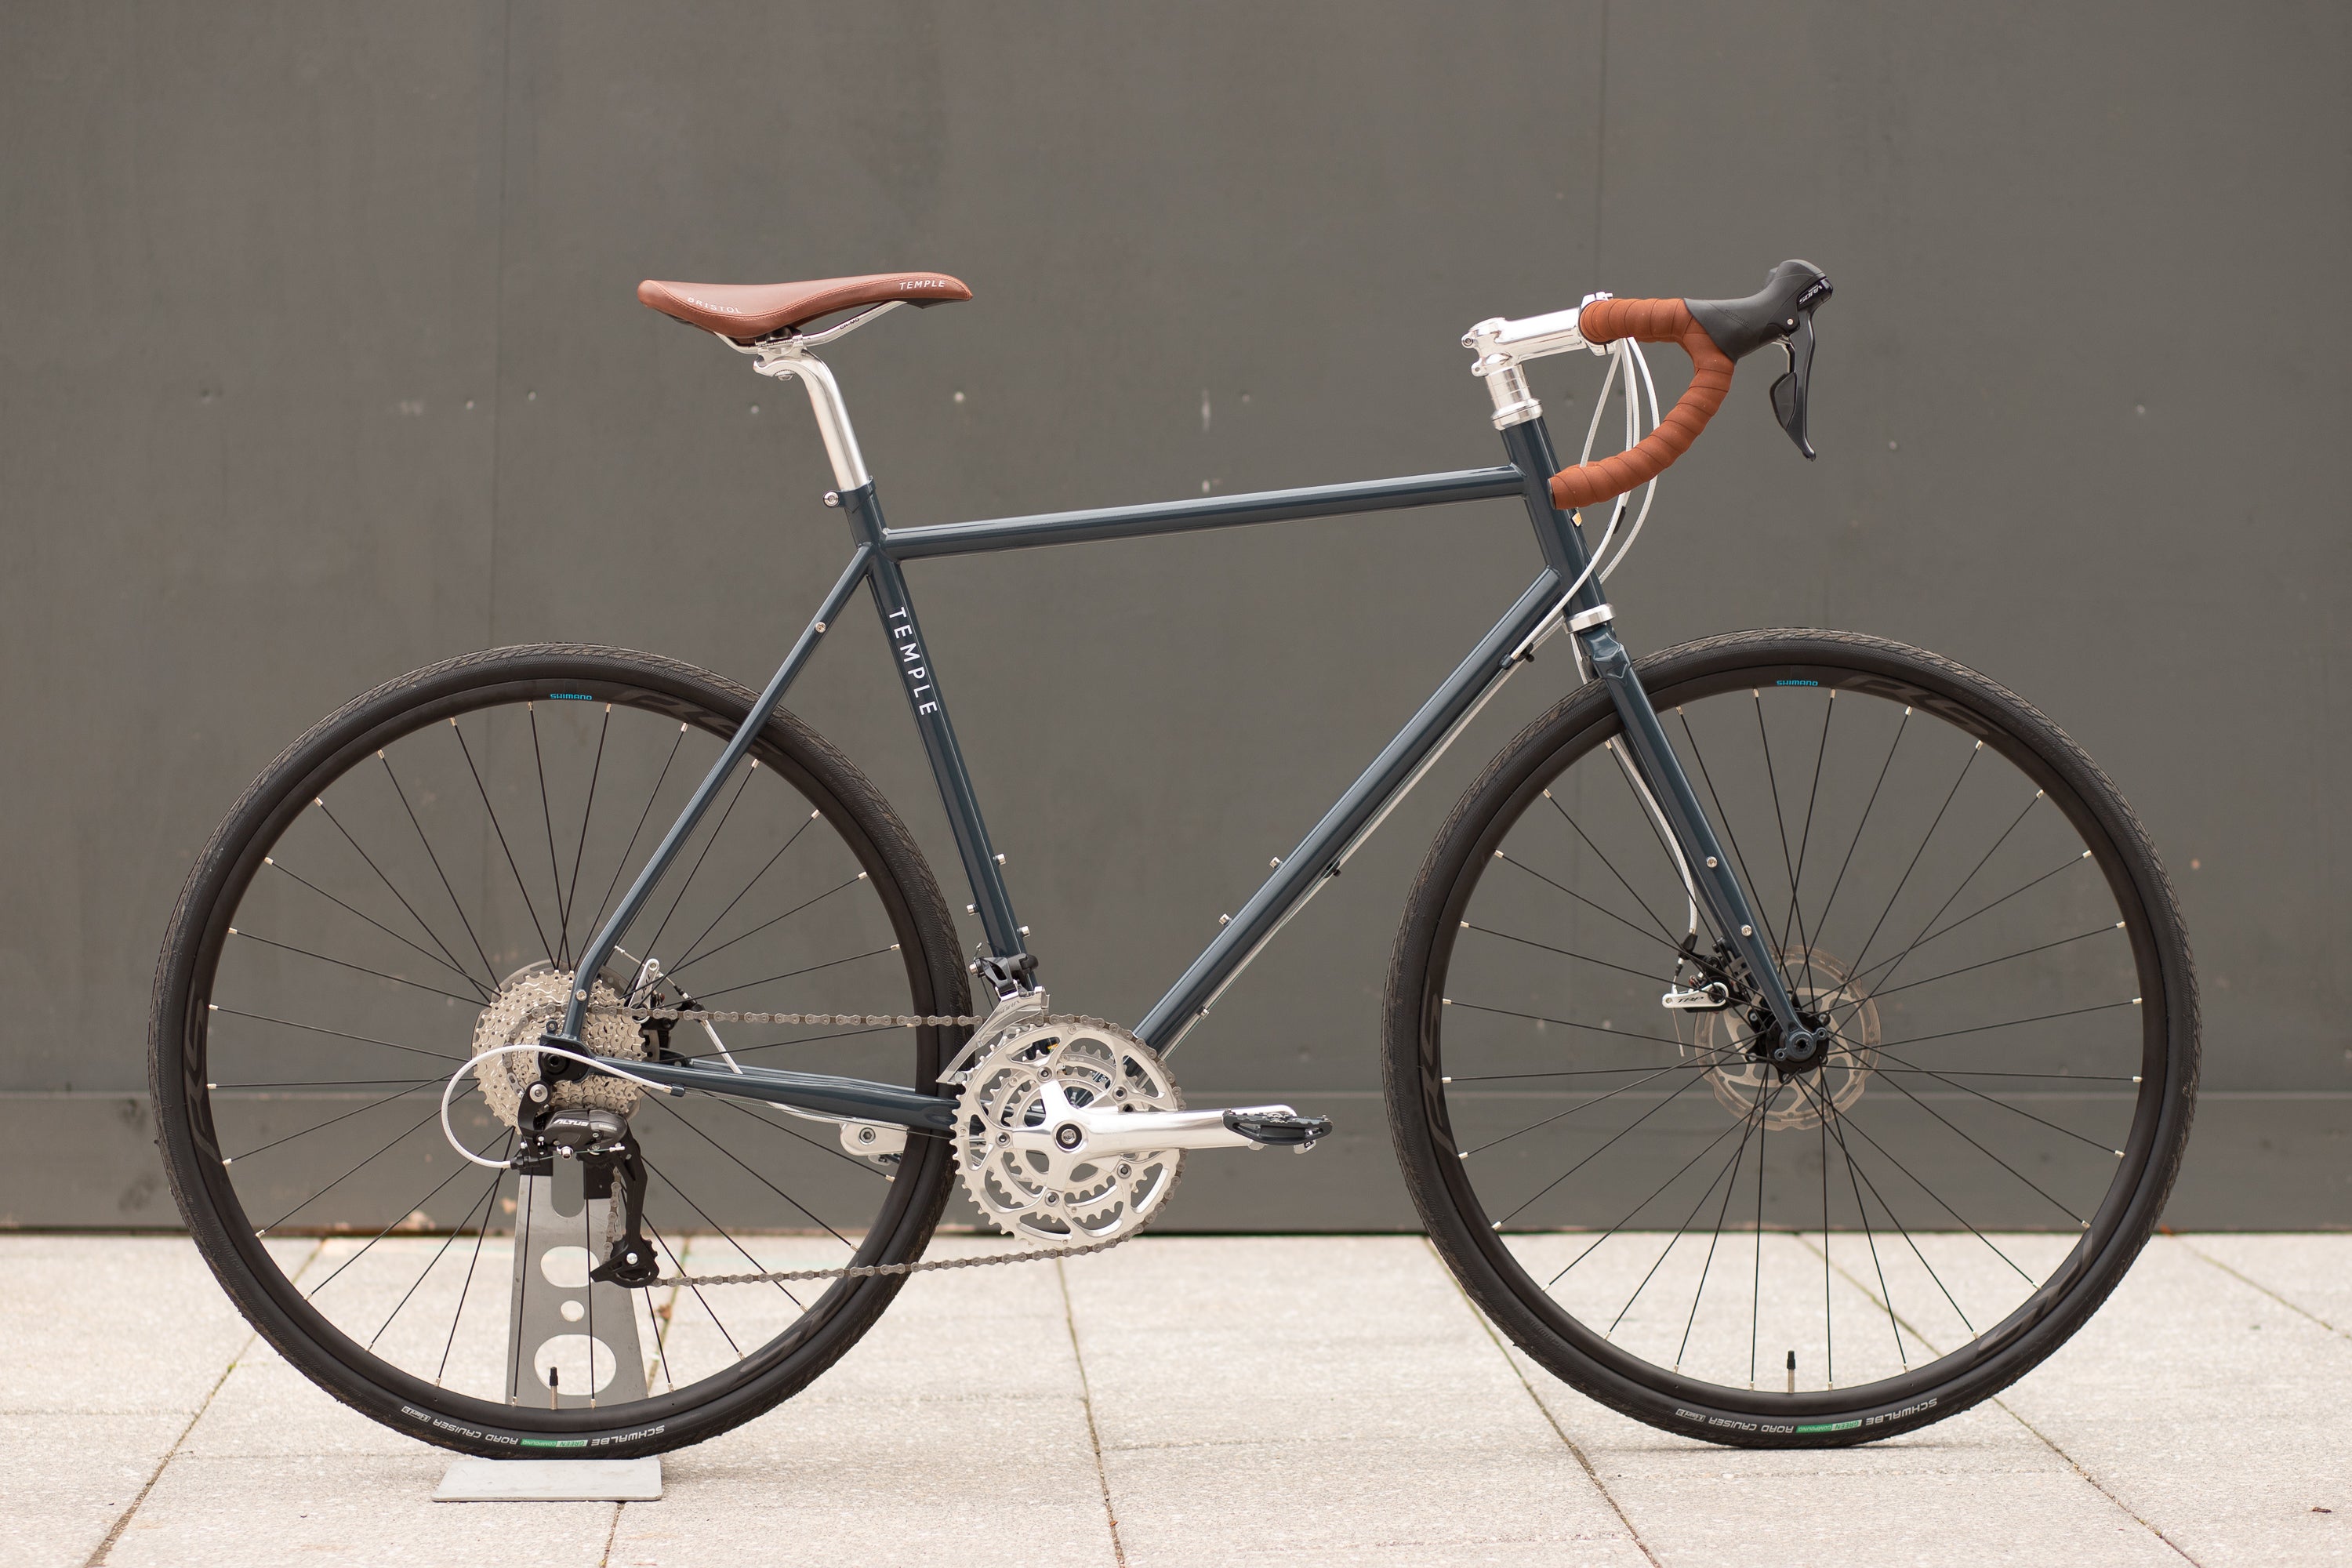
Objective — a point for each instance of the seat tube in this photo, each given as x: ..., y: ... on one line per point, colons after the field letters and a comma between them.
x: 1593, y: 626
x: 919, y: 677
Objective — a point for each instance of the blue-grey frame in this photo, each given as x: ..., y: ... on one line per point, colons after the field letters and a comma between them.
x: 878, y: 553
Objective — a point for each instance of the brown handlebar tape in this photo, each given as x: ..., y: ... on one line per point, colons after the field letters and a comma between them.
x: 1648, y: 322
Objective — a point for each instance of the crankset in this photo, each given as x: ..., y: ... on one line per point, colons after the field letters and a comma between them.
x: 1075, y: 1134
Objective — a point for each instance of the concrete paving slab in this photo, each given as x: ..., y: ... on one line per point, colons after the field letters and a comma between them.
x: 127, y: 1323
x: 989, y: 1481
x: 2307, y: 1272
x: 2209, y: 1409
x: 1916, y: 1499
x: 1262, y: 1399
x: 71, y: 1478
x: 363, y: 1510
x: 1330, y: 1398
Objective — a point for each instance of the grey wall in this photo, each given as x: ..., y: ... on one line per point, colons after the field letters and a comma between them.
x: 319, y: 362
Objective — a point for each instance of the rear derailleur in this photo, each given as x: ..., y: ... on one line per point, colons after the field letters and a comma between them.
x: 609, y: 1156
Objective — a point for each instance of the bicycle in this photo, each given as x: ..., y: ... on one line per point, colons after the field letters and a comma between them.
x: 1653, y: 972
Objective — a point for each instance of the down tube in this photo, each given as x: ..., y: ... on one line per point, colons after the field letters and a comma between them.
x: 1319, y: 854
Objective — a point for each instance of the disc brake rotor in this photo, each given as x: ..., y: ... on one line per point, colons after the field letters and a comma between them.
x: 1819, y: 984
x: 1022, y: 1158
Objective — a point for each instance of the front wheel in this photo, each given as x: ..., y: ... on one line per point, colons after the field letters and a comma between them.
x: 398, y: 893
x: 1886, y: 1234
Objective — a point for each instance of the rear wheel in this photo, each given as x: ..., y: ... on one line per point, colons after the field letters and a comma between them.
x: 405, y: 882
x: 1871, y: 1242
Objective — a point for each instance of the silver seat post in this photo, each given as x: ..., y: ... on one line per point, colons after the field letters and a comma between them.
x: 824, y: 401
x: 788, y: 358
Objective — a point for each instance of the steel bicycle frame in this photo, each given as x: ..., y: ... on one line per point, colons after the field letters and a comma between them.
x: 1541, y: 610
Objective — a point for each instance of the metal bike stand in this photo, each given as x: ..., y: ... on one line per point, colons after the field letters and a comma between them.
x: 554, y: 1316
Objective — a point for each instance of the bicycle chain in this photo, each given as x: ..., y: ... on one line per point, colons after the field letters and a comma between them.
x: 884, y: 1020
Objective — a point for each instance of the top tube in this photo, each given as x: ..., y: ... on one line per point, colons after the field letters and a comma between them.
x: 1199, y: 512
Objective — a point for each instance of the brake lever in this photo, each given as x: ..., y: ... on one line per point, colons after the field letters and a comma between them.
x: 1792, y: 393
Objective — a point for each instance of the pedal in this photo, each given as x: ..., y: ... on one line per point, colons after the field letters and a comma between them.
x: 1278, y: 1125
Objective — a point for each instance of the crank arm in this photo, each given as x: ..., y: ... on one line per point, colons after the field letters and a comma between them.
x: 840, y: 1099
x: 1112, y: 1132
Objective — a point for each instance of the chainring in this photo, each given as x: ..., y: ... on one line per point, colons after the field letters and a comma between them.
x: 1018, y: 1091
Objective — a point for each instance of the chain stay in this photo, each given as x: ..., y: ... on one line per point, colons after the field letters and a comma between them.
x: 881, y: 1020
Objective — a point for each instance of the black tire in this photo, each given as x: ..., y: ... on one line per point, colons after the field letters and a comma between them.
x: 861, y: 825
x: 1431, y: 1042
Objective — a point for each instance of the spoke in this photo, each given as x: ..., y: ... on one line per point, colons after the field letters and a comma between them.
x: 715, y: 1143
x: 1579, y: 898
x: 763, y: 925
x: 1805, y: 838
x: 1974, y: 751
x: 792, y: 974
x: 1929, y: 924
x: 1904, y: 1232
x: 1932, y: 936
x: 2004, y: 958
x: 1932, y: 1196
x: 555, y: 881
x: 466, y: 1289
x: 651, y: 796
x: 1852, y: 844
x: 430, y: 934
x: 1730, y: 1128
x: 792, y: 839
x: 447, y: 963
x: 708, y: 846
x: 1829, y: 1313
x: 1702, y: 1065
x: 333, y: 1083
x: 338, y: 1034
x: 661, y: 1337
x: 1529, y: 941
x: 1886, y: 969
x: 1598, y: 1100
x: 720, y: 1231
x: 488, y: 967
x: 434, y: 1261
x: 1563, y: 1023
x: 1756, y: 1300
x: 312, y: 1294
x: 1788, y: 860
x: 491, y: 812
x: 2066, y: 1077
x: 580, y: 851
x: 1740, y: 1127
x: 346, y: 1177
x: 1886, y: 1295
x: 362, y: 968
x: 1611, y: 865
x: 588, y: 1245
x: 1897, y: 1084
x: 346, y: 1116
x: 1725, y: 1208
x: 679, y: 1264
x: 2102, y: 1148
x: 1680, y: 1089
x: 2011, y: 1024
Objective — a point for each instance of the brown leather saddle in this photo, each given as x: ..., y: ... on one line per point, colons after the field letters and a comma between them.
x: 745, y: 311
